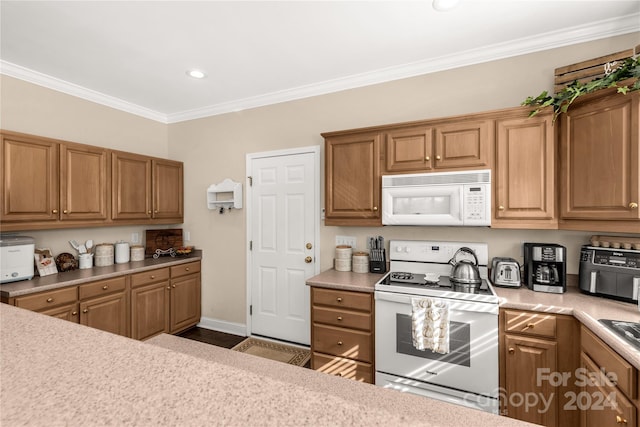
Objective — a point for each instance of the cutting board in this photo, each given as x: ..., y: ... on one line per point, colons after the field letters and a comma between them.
x: 162, y: 239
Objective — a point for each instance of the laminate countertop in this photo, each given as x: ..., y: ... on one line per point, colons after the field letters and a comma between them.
x: 57, y: 373
x: 586, y: 308
x: 78, y: 277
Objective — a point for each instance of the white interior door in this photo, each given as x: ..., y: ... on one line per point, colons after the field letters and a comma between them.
x: 283, y: 228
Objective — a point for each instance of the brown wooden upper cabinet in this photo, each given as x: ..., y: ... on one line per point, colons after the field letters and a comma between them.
x: 463, y: 144
x: 145, y: 188
x: 46, y: 181
x: 524, y: 179
x: 48, y: 184
x: 600, y: 155
x: 352, y: 179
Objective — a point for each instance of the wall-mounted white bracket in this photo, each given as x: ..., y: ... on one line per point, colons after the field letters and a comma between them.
x: 227, y: 194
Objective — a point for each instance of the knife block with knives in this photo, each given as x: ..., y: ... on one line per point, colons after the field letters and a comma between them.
x: 377, y: 255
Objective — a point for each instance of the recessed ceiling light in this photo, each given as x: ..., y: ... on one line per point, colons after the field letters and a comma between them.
x: 445, y: 5
x: 196, y: 74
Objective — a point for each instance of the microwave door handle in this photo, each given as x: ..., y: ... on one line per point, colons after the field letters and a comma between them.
x: 592, y: 282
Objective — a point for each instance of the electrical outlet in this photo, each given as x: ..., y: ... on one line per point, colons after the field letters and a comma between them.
x: 346, y: 240
x: 135, y: 238
x: 187, y: 236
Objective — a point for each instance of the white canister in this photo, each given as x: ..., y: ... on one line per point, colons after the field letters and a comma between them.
x: 343, y: 252
x: 122, y: 252
x: 103, y: 254
x: 85, y: 261
x: 343, y: 264
x: 360, y: 262
x: 137, y: 253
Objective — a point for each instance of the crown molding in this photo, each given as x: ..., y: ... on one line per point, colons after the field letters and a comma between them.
x: 555, y: 39
x: 44, y: 80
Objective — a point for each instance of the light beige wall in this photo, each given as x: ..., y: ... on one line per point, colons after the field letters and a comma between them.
x: 28, y: 108
x: 215, y: 148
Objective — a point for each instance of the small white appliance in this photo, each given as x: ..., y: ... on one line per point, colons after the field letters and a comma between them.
x: 17, y: 261
x: 441, y: 198
x: 468, y: 373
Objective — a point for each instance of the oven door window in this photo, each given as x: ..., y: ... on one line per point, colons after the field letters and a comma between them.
x: 459, y: 342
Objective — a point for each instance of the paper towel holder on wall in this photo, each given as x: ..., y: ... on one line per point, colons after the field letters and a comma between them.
x: 227, y: 194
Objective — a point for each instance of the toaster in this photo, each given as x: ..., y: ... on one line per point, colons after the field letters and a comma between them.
x: 505, y: 272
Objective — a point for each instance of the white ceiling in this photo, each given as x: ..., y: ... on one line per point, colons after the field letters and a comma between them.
x: 133, y: 55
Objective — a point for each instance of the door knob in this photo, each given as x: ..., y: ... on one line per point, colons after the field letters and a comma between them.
x: 309, y: 246
x: 633, y: 205
x: 438, y: 157
x: 308, y: 259
x: 427, y: 158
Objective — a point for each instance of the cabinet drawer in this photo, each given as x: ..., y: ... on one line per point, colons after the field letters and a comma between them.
x: 527, y: 323
x: 341, y: 367
x: 342, y: 318
x: 184, y: 269
x: 343, y: 342
x: 151, y: 276
x: 103, y: 287
x: 610, y: 363
x: 353, y: 300
x: 49, y: 299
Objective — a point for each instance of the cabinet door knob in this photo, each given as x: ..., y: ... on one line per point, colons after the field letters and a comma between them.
x: 340, y: 318
x: 512, y: 350
x: 339, y: 342
x: 375, y: 208
x: 620, y: 420
x: 633, y: 205
x: 529, y: 326
x: 156, y: 211
x: 49, y: 299
x: 55, y: 211
x: 438, y: 157
x: 339, y: 299
x: 105, y: 287
x: 149, y: 212
x: 65, y: 211
x: 427, y: 158
x: 74, y: 313
x: 173, y: 286
x: 86, y: 310
x: 340, y: 374
x: 500, y: 208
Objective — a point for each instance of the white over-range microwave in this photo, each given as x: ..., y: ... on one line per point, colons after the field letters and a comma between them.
x: 440, y: 198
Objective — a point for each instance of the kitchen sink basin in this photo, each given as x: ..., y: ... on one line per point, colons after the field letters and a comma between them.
x: 629, y: 331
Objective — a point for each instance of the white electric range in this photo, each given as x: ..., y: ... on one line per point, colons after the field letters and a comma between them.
x: 468, y: 373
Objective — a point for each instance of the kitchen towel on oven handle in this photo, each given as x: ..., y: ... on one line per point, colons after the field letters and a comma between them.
x: 430, y: 324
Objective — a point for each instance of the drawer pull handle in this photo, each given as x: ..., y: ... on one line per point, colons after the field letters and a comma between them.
x: 620, y: 420
x: 529, y: 326
x: 105, y: 287
x: 153, y: 277
x: 340, y: 374
x: 512, y: 350
x: 339, y: 318
x: 86, y: 310
x: 49, y: 299
x: 339, y: 342
x: 187, y: 269
x: 339, y: 299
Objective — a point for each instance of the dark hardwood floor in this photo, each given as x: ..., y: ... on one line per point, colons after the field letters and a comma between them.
x: 221, y: 339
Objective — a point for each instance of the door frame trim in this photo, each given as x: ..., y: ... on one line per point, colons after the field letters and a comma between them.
x: 313, y: 149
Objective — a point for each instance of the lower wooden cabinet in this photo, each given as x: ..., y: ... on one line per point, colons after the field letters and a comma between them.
x: 165, y: 300
x: 534, y: 349
x: 610, y: 397
x: 139, y: 305
x: 342, y: 340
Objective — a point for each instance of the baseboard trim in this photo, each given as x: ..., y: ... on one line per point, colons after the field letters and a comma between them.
x: 223, y: 326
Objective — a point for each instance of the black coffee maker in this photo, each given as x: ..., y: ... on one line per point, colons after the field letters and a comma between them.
x: 545, y: 268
